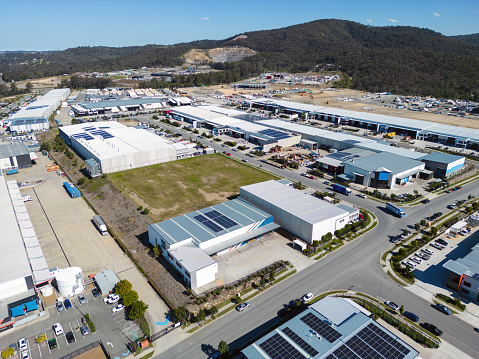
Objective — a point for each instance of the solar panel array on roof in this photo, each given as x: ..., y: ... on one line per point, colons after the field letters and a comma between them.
x: 278, y: 135
x: 322, y: 328
x: 29, y: 121
x: 89, y: 128
x: 371, y: 342
x: 221, y: 219
x: 211, y: 225
x: 278, y: 348
x: 300, y: 341
x: 104, y: 127
x: 85, y: 136
x: 101, y: 133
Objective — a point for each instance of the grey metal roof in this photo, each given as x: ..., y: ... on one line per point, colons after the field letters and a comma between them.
x: 183, y: 227
x: 106, y: 281
x: 293, y: 201
x: 440, y: 157
x: 468, y: 265
x: 347, y: 208
x: 116, y: 103
x: 337, y: 315
x: 13, y: 149
x: 395, y: 164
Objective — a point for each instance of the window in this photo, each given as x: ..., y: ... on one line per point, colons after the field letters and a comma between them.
x: 163, y: 245
x: 178, y: 264
x: 467, y: 284
x: 465, y: 291
x: 170, y: 256
x: 187, y: 274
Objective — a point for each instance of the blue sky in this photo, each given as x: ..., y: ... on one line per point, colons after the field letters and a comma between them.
x: 54, y: 24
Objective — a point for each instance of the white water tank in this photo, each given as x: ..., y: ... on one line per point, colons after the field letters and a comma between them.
x: 70, y: 281
x: 47, y: 290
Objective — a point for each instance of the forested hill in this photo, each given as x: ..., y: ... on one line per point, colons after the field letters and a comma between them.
x: 469, y: 39
x: 403, y: 60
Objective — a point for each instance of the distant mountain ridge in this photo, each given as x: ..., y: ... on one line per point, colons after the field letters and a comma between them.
x: 469, y: 39
x: 399, y: 59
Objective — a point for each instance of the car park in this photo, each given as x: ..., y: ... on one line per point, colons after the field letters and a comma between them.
x: 84, y: 330
x: 307, y: 297
x: 70, y: 337
x: 25, y: 355
x: 22, y: 344
x: 411, y: 316
x: 437, y: 246
x: 242, y: 306
x: 95, y: 292
x: 60, y: 306
x: 118, y: 308
x: 82, y: 299
x: 57, y: 328
x: 67, y: 304
x: 52, y: 343
x: 416, y: 260
x: 432, y: 329
x: 443, y: 309
x: 106, y: 299
x: 392, y: 305
x: 428, y: 251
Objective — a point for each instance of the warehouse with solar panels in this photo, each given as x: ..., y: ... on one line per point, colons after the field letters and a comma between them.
x: 332, y: 328
x: 189, y: 241
x: 113, y: 147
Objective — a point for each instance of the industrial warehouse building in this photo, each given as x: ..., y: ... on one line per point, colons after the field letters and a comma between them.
x: 417, y: 129
x: 17, y: 155
x: 22, y: 264
x: 464, y: 274
x: 34, y: 117
x: 332, y: 328
x: 115, y: 147
x: 116, y: 106
x: 189, y: 241
x: 443, y: 165
x: 306, y: 217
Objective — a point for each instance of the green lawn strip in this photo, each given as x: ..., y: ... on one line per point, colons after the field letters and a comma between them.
x: 393, y: 277
x: 437, y: 300
x: 383, y: 258
x: 252, y: 296
x: 193, y: 329
x: 149, y: 355
x: 325, y: 294
x: 285, y: 276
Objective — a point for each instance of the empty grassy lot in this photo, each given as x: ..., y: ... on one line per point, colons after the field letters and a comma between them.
x: 175, y: 188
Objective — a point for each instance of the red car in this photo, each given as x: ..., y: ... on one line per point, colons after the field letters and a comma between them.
x: 229, y: 154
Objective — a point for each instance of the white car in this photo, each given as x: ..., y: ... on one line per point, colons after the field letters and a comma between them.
x: 113, y: 299
x: 362, y: 195
x: 416, y: 260
x: 106, y: 299
x: 392, y: 305
x: 25, y: 355
x: 437, y: 246
x: 57, y: 328
x: 409, y: 264
x: 307, y: 297
x: 428, y: 251
x: 22, y: 344
x: 118, y: 308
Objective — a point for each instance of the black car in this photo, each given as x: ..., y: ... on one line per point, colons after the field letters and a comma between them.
x: 395, y: 239
x: 425, y: 201
x: 52, y: 343
x: 442, y: 241
x: 95, y: 292
x: 70, y: 337
x: 411, y: 316
x: 443, y: 308
x: 432, y: 329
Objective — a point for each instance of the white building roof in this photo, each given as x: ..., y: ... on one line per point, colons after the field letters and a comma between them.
x: 293, y: 201
x: 197, y: 113
x: 192, y: 258
x: 37, y: 109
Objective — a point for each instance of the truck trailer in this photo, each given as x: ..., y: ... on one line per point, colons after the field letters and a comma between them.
x: 12, y: 172
x: 72, y: 190
x: 342, y: 189
x: 100, y: 225
x: 398, y: 211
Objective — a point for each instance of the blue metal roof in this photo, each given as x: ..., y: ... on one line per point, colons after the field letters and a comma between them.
x: 441, y: 157
x: 395, y: 163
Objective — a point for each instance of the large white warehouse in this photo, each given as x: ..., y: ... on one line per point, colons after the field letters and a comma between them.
x: 306, y: 217
x: 116, y: 147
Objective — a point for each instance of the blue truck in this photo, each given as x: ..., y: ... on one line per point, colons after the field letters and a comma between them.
x: 398, y: 211
x: 342, y: 189
x: 12, y: 172
x: 72, y: 190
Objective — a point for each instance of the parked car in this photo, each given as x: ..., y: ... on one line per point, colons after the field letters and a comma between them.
x: 437, y: 246
x: 426, y: 201
x: 67, y: 304
x: 411, y: 316
x: 113, y: 299
x: 416, y: 260
x: 95, y: 292
x: 442, y: 242
x: 14, y: 347
x: 395, y: 239
x: 107, y: 298
x: 422, y: 255
x: 22, y: 344
x: 307, y: 297
x: 362, y: 195
x: 244, y: 160
x: 70, y: 337
x: 215, y: 355
x: 25, y: 355
x: 82, y: 299
x: 392, y: 305
x: 432, y: 329
x: 84, y: 330
x: 428, y: 251
x: 443, y: 308
x: 118, y: 308
x: 464, y: 233
x: 60, y: 306
x: 326, y: 183
x: 228, y: 154
x: 242, y: 306
x: 409, y: 264
x: 57, y: 328
x: 52, y: 343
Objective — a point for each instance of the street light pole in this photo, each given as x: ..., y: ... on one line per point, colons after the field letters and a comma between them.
x: 380, y: 288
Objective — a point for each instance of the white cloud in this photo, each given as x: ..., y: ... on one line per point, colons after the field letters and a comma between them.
x: 369, y: 21
x: 392, y: 20
x: 204, y: 18
x: 436, y: 14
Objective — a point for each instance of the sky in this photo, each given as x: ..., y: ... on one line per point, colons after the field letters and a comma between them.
x: 57, y: 25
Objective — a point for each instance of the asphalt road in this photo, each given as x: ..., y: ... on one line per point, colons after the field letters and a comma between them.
x: 355, y: 265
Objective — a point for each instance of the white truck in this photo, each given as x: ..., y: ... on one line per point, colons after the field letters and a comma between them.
x: 100, y: 225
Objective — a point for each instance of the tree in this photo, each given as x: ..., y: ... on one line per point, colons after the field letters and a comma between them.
x: 401, y: 310
x: 130, y: 298
x: 157, y: 250
x: 223, y: 347
x: 81, y: 181
x: 417, y: 226
x: 29, y: 86
x: 181, y: 313
x: 9, y: 352
x: 271, y: 275
x: 405, y: 232
x: 213, y: 310
x: 123, y: 287
x: 434, y: 231
x: 423, y: 222
x: 393, y: 196
x: 45, y: 146
x: 137, y: 310
x: 146, y: 211
x: 201, y: 315
x: 262, y: 282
